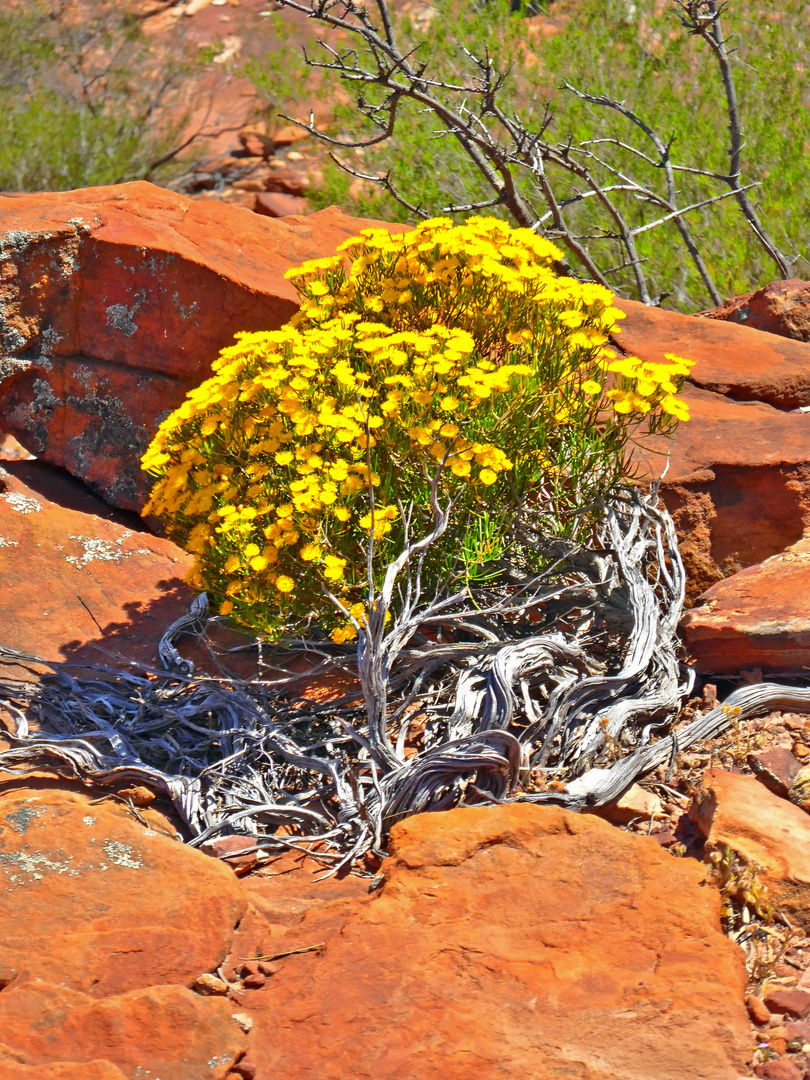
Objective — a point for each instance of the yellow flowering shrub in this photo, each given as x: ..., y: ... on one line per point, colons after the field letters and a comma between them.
x: 449, y: 349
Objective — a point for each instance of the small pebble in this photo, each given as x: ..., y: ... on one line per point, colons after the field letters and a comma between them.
x: 209, y: 984
x: 795, y: 723
x: 757, y: 1009
x: 254, y: 982
x: 778, y: 1070
x: 794, y: 1003
x: 137, y: 795
x: 244, y: 1021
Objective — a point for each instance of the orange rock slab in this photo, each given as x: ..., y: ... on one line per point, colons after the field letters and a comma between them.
x: 94, y: 901
x: 72, y: 577
x: 734, y: 360
x: 758, y: 618
x: 771, y: 833
x: 737, y: 484
x: 510, y: 941
x: 161, y: 1031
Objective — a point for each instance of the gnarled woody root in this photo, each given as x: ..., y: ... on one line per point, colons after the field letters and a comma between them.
x: 556, y: 687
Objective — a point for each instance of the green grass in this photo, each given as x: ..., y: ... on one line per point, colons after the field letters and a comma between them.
x: 80, y: 100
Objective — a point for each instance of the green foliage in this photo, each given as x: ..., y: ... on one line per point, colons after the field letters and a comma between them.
x: 639, y: 54
x: 83, y: 98
x: 449, y: 371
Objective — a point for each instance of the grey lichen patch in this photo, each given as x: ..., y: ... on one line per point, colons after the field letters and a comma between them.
x: 97, y: 549
x: 84, y: 375
x: 5, y: 542
x: 21, y: 503
x: 65, y: 259
x: 35, y: 865
x: 18, y: 241
x: 12, y: 339
x: 34, y: 416
x: 22, y: 818
x: 88, y: 820
x: 12, y: 365
x: 186, y: 311
x: 121, y: 854
x: 122, y: 318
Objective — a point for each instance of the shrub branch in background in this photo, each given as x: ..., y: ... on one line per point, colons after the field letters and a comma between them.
x: 541, y: 182
x: 87, y: 100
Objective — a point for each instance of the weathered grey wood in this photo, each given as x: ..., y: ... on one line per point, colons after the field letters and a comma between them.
x: 500, y: 702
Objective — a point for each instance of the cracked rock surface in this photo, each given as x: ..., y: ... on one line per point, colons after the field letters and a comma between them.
x: 500, y: 941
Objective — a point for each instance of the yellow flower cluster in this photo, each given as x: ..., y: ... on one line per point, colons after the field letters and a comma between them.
x: 646, y: 385
x: 447, y: 348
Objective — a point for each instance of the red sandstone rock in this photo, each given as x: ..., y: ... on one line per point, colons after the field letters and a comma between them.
x: 290, y: 183
x: 795, y: 1003
x: 78, y: 579
x: 738, y: 476
x: 234, y: 851
x: 510, y: 941
x: 161, y: 1031
x: 757, y: 618
x: 115, y: 301
x: 96, y: 902
x: 66, y: 573
x: 798, y: 1029
x: 278, y: 204
x: 62, y: 1070
x: 783, y: 308
x: 255, y: 141
x: 737, y: 486
x: 757, y: 1009
x: 729, y: 359
x: 254, y: 980
x: 781, y: 1069
x: 736, y: 811
x: 775, y: 768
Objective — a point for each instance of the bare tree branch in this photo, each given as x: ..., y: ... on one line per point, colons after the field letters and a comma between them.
x: 702, y: 19
x: 508, y: 155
